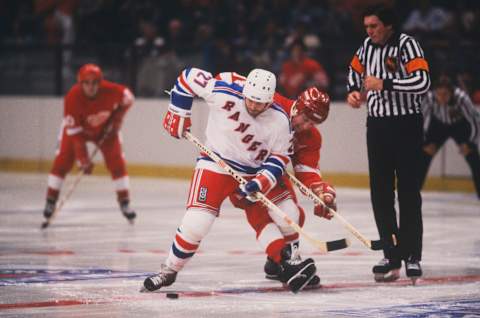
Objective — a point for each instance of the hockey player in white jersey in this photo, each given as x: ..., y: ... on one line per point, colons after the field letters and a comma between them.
x: 250, y: 133
x: 273, y: 234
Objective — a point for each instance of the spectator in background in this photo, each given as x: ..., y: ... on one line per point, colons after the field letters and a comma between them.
x: 177, y: 37
x: 149, y: 43
x: 476, y: 96
x: 59, y: 28
x: 58, y: 19
x: 300, y: 72
x: 158, y: 63
x: 449, y: 113
x: 427, y: 19
x: 471, y: 24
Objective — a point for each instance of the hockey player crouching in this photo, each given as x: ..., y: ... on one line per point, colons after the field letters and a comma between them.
x: 274, y: 235
x: 249, y: 133
x: 93, y: 112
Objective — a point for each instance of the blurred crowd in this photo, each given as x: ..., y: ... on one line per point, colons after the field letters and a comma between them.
x: 235, y: 35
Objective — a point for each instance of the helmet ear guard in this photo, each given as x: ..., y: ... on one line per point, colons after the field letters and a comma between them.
x: 89, y: 71
x: 260, y: 86
x: 314, y: 103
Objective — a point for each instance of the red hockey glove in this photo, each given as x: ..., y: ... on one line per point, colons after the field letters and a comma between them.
x: 176, y: 123
x: 86, y: 166
x: 327, y: 193
x: 114, y: 124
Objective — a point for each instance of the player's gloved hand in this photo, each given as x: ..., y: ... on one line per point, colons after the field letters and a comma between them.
x: 177, y: 122
x: 86, y: 166
x: 247, y: 190
x: 327, y: 193
x: 108, y: 132
x: 112, y: 130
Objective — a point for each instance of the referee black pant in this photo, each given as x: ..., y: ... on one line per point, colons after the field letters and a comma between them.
x: 394, y: 158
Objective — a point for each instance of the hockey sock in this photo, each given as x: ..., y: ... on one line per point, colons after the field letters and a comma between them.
x: 123, y: 195
x: 54, y: 185
x: 194, y: 227
x: 291, y: 209
x: 52, y: 194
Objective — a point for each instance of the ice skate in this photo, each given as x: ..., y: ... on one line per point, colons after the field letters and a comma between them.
x: 127, y: 212
x: 387, y: 270
x: 49, y: 208
x: 297, y: 274
x: 413, y: 269
x: 273, y: 270
x: 165, y: 277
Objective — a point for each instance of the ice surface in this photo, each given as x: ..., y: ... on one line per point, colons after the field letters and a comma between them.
x: 91, y: 263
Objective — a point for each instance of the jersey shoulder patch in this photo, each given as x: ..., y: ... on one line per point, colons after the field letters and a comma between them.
x: 231, y: 89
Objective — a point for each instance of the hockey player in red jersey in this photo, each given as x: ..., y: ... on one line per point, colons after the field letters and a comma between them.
x: 93, y: 112
x: 279, y: 240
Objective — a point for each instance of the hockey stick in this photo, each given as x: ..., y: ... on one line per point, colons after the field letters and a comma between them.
x: 81, y: 173
x: 321, y: 245
x: 374, y: 245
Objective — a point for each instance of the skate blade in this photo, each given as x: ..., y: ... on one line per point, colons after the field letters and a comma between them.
x: 304, y: 285
x: 45, y: 225
x: 144, y: 290
x: 391, y: 276
x: 313, y: 284
x: 306, y: 281
x: 272, y: 277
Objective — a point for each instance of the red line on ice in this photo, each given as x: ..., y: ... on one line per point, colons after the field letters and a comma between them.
x: 238, y: 291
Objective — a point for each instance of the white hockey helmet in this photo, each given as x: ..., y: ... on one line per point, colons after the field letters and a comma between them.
x: 260, y: 86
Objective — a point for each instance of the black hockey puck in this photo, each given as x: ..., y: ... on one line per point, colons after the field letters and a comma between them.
x: 172, y: 295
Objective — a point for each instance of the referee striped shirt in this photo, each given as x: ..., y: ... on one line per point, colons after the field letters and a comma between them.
x: 402, y: 66
x: 460, y: 107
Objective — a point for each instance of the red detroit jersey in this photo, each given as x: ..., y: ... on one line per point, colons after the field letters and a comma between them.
x: 90, y: 115
x: 306, y: 148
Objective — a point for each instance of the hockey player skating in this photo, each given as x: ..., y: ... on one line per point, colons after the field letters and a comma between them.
x: 93, y: 111
x: 275, y: 236
x: 250, y: 133
x: 278, y: 239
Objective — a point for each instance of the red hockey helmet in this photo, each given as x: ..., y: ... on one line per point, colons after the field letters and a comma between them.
x: 314, y: 103
x: 89, y: 71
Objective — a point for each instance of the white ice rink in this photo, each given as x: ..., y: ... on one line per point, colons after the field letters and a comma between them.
x: 91, y: 263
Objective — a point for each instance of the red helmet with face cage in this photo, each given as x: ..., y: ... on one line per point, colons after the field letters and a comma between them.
x: 89, y: 71
x: 314, y: 103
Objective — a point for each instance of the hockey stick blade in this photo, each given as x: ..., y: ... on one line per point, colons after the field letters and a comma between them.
x: 373, y: 245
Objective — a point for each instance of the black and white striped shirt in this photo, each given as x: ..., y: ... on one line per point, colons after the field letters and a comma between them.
x: 460, y: 107
x: 402, y: 66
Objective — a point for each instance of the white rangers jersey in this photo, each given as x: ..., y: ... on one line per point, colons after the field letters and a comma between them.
x: 248, y: 144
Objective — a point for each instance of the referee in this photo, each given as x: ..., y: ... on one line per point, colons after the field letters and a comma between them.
x: 449, y: 113
x: 394, y: 73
